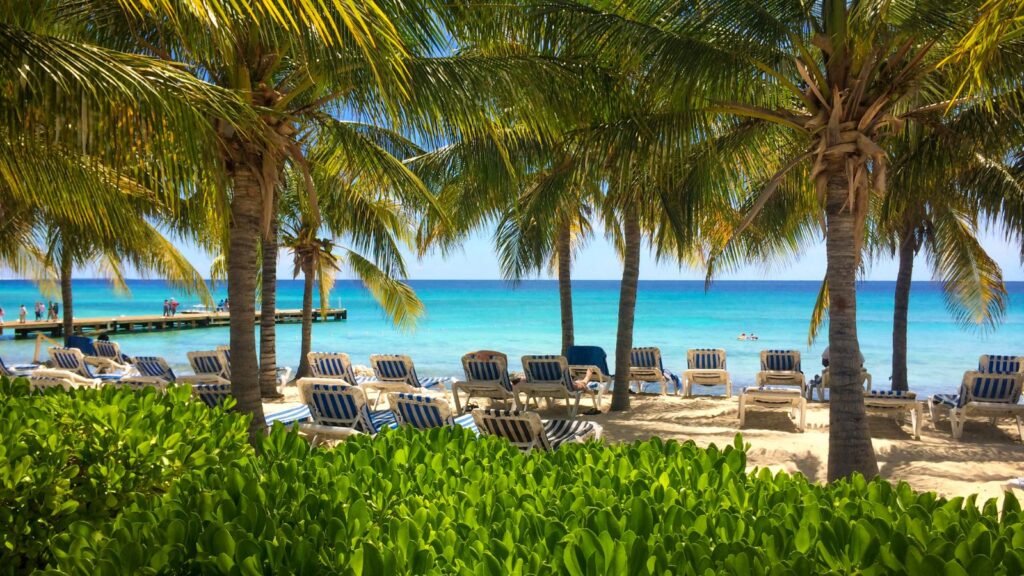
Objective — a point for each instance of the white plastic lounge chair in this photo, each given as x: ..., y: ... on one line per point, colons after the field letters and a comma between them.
x: 16, y: 370
x: 143, y: 382
x: 284, y: 373
x: 210, y: 362
x: 773, y: 398
x: 826, y: 382
x: 112, y: 351
x: 527, y: 431
x: 336, y: 405
x: 72, y: 360
x: 213, y: 395
x: 424, y: 412
x: 486, y: 377
x: 154, y: 367
x: 548, y: 377
x: 590, y: 364
x: 45, y: 378
x: 781, y: 368
x: 333, y: 366
x: 645, y: 366
x: 396, y: 373
x: 895, y: 403
x: 1001, y: 364
x: 987, y: 395
x: 706, y: 367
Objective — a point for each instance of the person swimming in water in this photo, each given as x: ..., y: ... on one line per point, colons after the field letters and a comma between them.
x: 742, y: 336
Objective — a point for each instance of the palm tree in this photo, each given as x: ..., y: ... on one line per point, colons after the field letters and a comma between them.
x: 831, y: 81
x: 268, y: 310
x: 376, y: 224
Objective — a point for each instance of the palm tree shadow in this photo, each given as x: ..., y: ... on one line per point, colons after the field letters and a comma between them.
x: 776, y: 420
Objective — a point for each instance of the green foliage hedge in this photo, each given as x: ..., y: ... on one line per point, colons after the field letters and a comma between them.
x: 445, y: 502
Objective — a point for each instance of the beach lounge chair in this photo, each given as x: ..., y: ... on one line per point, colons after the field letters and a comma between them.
x: 895, y: 403
x: 590, y: 364
x: 423, y: 412
x: 396, y: 373
x: 213, y: 395
x: 73, y: 360
x: 143, y: 382
x: 154, y: 367
x: 781, y: 368
x: 335, y: 405
x: 548, y: 377
x: 527, y: 431
x: 1001, y: 364
x: 826, y: 382
x: 773, y: 398
x: 284, y: 373
x: 332, y: 366
x: 16, y: 370
x: 486, y: 377
x: 210, y: 363
x: 645, y: 366
x: 986, y: 395
x: 706, y: 367
x: 112, y: 351
x: 45, y: 378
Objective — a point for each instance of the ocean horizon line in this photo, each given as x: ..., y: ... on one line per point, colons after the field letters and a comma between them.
x: 513, y: 283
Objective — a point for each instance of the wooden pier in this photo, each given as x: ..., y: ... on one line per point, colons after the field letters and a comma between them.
x: 156, y: 323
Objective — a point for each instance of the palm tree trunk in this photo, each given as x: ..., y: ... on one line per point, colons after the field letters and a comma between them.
x: 307, y: 318
x: 268, y: 307
x: 66, y: 271
x: 565, y: 286
x: 908, y: 249
x: 850, y: 448
x: 627, y: 309
x: 245, y: 230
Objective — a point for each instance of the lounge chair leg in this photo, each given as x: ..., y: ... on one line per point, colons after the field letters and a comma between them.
x: 728, y: 388
x: 915, y: 422
x: 1020, y: 429
x: 956, y: 422
x: 803, y: 414
x: 743, y: 410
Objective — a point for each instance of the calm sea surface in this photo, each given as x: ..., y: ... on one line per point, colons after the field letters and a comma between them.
x: 469, y: 315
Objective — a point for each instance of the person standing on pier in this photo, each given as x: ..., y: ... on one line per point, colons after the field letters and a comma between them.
x: 21, y: 314
x: 1, y: 315
x: 167, y: 308
x: 56, y: 311
x: 39, y: 311
x: 174, y: 306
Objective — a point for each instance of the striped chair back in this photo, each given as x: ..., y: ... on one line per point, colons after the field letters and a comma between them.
x: 649, y: 357
x: 491, y: 368
x: 226, y: 351
x: 705, y: 359
x: 421, y: 411
x: 72, y: 360
x: 1001, y: 364
x: 333, y: 365
x: 108, y: 349
x: 983, y: 387
x: 209, y: 362
x: 155, y: 367
x: 523, y: 429
x: 394, y: 368
x: 337, y: 404
x: 548, y: 369
x: 42, y: 381
x: 780, y: 360
x: 213, y: 395
x: 5, y: 371
x: 139, y: 383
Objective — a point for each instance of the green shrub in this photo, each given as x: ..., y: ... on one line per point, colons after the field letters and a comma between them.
x: 81, y: 456
x: 445, y: 502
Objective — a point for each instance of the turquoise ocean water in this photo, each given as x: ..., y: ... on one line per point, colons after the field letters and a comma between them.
x: 469, y: 315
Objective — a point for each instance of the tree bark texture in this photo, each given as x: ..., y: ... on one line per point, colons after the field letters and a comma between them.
x: 627, y: 308
x: 564, y: 256
x: 308, y: 279
x: 66, y: 272
x: 908, y: 249
x: 268, y: 308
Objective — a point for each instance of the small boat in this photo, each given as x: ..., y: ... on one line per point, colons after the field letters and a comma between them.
x: 199, y: 309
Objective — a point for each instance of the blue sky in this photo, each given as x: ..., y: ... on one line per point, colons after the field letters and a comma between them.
x: 598, y: 261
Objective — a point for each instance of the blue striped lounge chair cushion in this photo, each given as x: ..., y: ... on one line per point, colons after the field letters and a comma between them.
x: 207, y: 364
x: 999, y: 364
x: 335, y: 367
x: 105, y: 349
x: 549, y: 369
x: 705, y: 359
x: 645, y: 358
x: 990, y: 388
x: 420, y: 411
x: 154, y: 366
x: 16, y: 369
x: 212, y: 395
x: 334, y: 407
x: 488, y: 371
x: 289, y: 416
x: 890, y: 394
x: 950, y: 400
x: 394, y: 370
x: 503, y: 423
x: 780, y: 360
x: 561, y: 431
